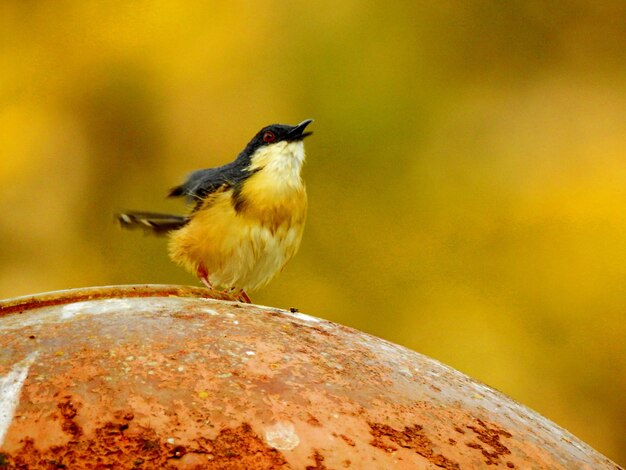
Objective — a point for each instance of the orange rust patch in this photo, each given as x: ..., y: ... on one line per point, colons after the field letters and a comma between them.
x: 22, y: 304
x: 347, y: 440
x: 319, y: 461
x: 111, y: 448
x: 241, y: 446
x: 68, y: 412
x: 491, y: 437
x: 313, y: 421
x: 411, y: 438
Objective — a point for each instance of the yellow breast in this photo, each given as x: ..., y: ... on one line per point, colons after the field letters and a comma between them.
x: 244, y: 239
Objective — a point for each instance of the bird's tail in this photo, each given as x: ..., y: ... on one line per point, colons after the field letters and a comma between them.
x: 159, y: 224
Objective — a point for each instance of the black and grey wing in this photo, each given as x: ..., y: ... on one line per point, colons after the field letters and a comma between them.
x: 202, y: 183
x: 195, y: 189
x: 199, y: 184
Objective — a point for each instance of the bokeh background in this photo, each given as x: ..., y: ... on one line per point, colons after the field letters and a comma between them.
x: 467, y: 175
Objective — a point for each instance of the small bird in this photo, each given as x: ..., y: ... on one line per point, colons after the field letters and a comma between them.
x: 247, y: 218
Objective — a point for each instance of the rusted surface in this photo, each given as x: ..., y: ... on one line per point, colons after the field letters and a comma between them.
x: 145, y: 377
x: 22, y: 304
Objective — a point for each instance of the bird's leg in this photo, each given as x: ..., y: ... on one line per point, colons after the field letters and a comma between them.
x: 244, y: 297
x: 241, y: 296
x: 203, y: 275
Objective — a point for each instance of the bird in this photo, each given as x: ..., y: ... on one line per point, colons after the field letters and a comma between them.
x: 247, y: 217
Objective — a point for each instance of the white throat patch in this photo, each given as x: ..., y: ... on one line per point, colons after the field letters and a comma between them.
x: 282, y: 160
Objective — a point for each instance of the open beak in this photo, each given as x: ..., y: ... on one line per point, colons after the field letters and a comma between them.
x: 297, y: 132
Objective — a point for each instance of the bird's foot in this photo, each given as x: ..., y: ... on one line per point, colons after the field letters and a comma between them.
x: 243, y: 297
x: 240, y: 295
x: 203, y: 275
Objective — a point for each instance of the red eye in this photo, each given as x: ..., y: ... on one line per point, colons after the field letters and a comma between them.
x: 269, y: 137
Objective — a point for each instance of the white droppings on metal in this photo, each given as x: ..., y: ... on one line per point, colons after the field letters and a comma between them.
x: 282, y: 436
x: 304, y: 317
x: 10, y: 391
x: 293, y: 314
x: 63, y: 313
x: 95, y: 307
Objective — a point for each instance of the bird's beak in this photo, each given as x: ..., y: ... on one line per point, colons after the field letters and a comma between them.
x: 297, y: 132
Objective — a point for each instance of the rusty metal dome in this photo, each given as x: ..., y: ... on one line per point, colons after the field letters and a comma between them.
x: 147, y: 377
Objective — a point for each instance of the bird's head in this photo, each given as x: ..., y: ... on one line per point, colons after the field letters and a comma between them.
x: 277, y: 144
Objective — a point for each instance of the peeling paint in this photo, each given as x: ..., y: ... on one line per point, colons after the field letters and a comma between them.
x: 282, y: 436
x: 10, y: 391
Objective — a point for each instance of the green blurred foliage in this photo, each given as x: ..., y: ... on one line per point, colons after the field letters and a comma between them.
x: 467, y: 176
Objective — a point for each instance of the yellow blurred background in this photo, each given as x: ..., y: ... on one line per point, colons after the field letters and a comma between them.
x: 467, y: 173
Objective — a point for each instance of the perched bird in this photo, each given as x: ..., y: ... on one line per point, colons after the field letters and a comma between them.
x: 247, y: 217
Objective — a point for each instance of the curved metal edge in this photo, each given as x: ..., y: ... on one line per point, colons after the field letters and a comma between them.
x: 61, y: 297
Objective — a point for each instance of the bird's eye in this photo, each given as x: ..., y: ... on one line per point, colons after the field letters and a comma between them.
x: 269, y: 137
